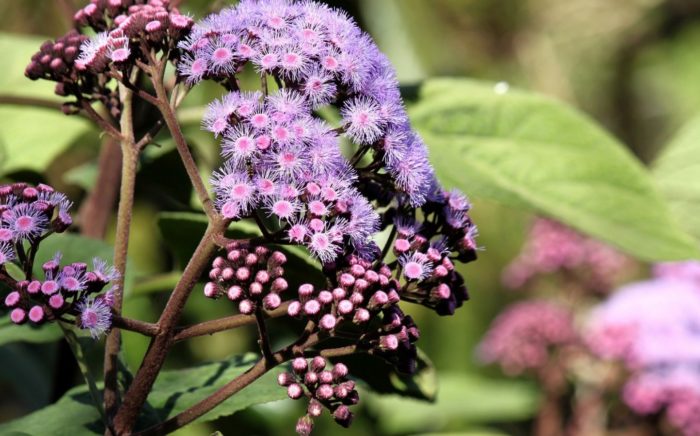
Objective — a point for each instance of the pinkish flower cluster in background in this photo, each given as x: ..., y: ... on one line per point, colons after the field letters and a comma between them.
x: 641, y: 342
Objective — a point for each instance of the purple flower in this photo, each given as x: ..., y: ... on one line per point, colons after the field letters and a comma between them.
x: 95, y: 316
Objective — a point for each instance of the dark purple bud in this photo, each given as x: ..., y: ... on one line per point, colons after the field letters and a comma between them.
x: 300, y: 365
x: 343, y: 416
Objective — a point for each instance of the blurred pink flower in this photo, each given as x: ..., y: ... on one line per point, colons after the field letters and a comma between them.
x: 653, y: 327
x: 522, y: 336
x: 552, y: 247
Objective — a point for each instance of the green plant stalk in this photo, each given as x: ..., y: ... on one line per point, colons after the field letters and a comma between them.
x: 130, y: 156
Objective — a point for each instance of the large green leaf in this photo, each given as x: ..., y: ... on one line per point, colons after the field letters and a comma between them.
x: 11, y: 332
x: 461, y: 399
x: 529, y: 151
x: 677, y: 173
x: 173, y: 392
x: 30, y: 138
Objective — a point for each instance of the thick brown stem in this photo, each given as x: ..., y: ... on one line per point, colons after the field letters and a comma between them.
x: 134, y: 325
x: 222, y: 324
x: 130, y: 157
x: 97, y: 208
x: 155, y: 357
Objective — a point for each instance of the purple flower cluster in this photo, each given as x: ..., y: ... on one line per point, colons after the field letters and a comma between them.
x: 318, y: 56
x: 287, y: 164
x: 552, y: 247
x: 523, y: 336
x: 652, y: 327
x: 122, y: 28
x: 329, y: 389
x: 28, y: 215
x: 284, y: 167
x: 251, y: 277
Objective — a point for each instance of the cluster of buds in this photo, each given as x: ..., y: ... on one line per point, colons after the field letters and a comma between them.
x: 325, y: 389
x: 123, y: 29
x: 152, y: 25
x: 29, y: 214
x: 249, y: 276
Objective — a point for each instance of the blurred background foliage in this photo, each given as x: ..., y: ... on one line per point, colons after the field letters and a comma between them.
x: 631, y: 65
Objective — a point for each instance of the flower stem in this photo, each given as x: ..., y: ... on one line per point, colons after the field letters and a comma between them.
x: 163, y: 104
x: 121, y: 245
x: 222, y: 324
x: 135, y: 397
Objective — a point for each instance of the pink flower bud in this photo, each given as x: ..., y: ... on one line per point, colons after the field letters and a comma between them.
x: 294, y: 309
x: 36, y: 314
x: 272, y: 301
x: 327, y: 322
x: 299, y: 365
x: 246, y: 307
x: 234, y: 293
x: 295, y: 391
x: 210, y: 290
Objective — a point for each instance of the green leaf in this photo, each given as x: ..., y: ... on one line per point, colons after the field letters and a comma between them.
x: 30, y: 138
x: 10, y: 332
x: 173, y: 392
x: 677, y: 173
x: 461, y: 399
x: 176, y: 391
x: 529, y: 151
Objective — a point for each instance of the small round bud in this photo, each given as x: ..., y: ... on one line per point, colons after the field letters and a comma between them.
x: 361, y: 285
x: 325, y: 376
x: 234, y: 293
x: 294, y: 308
x: 379, y: 299
x: 306, y: 290
x: 339, y: 294
x: 300, y: 365
x: 388, y: 342
x: 357, y: 270
x: 312, y: 307
x: 356, y: 298
x: 18, y: 316
x: 246, y: 307
x: 262, y: 277
x: 278, y: 258
x: 401, y: 246
x: 211, y: 290
x: 310, y: 378
x: 371, y: 276
x: 272, y: 301
x: 36, y: 314
x: 295, y: 391
x: 346, y: 280
x: 324, y: 392
x: 315, y: 408
x: 243, y: 273
x: 255, y: 288
x: 361, y: 316
x: 226, y: 274
x: 219, y: 262
x: 251, y: 259
x: 279, y: 285
x: 305, y: 426
x: 12, y: 299
x: 345, y: 307
x: 318, y: 363
x: 285, y: 379
x: 327, y: 322
x: 325, y: 297
x: 56, y: 301
x: 340, y: 371
x: 343, y: 416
